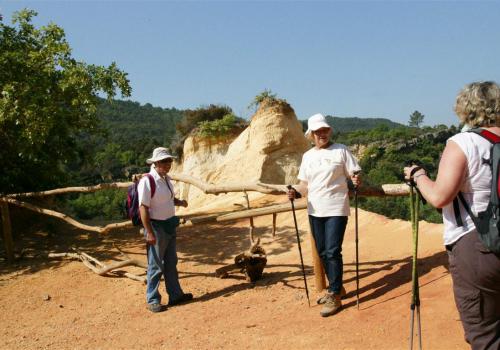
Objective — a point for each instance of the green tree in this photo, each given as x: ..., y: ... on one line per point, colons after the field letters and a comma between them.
x: 416, y: 119
x: 47, y: 99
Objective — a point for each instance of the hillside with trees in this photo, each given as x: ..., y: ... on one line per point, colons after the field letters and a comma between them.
x: 126, y: 134
x: 387, y: 151
x: 56, y: 131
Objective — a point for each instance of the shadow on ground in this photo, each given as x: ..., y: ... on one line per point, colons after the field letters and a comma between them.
x: 35, y: 236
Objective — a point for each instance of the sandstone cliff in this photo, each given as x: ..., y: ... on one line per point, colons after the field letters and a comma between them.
x: 269, y: 150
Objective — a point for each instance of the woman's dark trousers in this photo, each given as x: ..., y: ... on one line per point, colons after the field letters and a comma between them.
x: 328, y: 234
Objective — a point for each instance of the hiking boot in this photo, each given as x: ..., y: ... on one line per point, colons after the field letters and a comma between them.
x: 322, y: 300
x: 156, y: 308
x: 182, y: 299
x: 332, y: 305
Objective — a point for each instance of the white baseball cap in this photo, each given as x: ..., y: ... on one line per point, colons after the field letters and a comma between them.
x: 159, y: 153
x: 316, y: 122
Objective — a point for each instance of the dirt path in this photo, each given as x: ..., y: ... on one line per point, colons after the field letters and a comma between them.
x: 86, y: 311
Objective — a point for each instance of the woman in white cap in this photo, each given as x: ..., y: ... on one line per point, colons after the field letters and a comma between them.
x: 323, y: 175
x: 157, y: 207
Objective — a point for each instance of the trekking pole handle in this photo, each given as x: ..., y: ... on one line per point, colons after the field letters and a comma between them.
x: 411, y: 181
x: 357, y: 172
x: 297, y: 193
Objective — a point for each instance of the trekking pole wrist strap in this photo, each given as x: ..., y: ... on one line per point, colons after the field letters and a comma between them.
x: 297, y: 194
x: 414, y: 170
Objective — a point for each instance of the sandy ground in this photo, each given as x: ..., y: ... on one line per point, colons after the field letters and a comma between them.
x: 86, y: 311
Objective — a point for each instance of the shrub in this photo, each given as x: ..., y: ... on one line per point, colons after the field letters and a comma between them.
x: 218, y: 127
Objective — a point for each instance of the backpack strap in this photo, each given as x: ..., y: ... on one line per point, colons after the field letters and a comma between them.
x: 152, y: 184
x: 456, y: 210
x: 488, y: 135
x: 171, y: 191
x: 493, y: 162
x: 474, y: 218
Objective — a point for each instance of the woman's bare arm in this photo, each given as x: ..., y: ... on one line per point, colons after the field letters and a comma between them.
x: 451, y: 172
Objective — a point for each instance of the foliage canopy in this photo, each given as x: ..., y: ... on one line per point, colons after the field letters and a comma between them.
x: 220, y: 127
x: 47, y: 98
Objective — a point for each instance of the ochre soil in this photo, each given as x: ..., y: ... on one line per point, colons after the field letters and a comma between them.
x: 87, y: 311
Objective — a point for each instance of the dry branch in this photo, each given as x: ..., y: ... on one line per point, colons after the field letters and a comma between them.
x: 237, y: 187
x: 384, y: 190
x: 71, y: 190
x: 102, y: 269
x: 67, y: 218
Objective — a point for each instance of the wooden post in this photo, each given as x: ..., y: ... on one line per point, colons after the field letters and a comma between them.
x: 7, y: 232
x: 251, y: 217
x: 274, y: 224
x: 185, y: 191
x: 319, y: 272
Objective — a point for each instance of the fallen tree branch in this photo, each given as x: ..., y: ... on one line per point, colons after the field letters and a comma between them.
x: 63, y: 190
x: 62, y: 216
x: 384, y: 190
x: 102, y: 269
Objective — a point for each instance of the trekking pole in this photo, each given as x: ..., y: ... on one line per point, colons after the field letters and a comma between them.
x: 300, y: 248
x: 356, y: 240
x: 415, y: 299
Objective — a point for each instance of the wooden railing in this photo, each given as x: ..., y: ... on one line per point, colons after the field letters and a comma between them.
x: 18, y: 200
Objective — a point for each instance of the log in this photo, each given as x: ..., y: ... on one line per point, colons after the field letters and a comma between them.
x: 7, y: 232
x: 237, y: 187
x: 391, y: 190
x: 71, y: 190
x: 207, y: 188
x: 319, y: 271
x: 278, y: 208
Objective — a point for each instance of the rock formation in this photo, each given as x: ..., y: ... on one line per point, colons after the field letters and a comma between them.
x: 269, y: 150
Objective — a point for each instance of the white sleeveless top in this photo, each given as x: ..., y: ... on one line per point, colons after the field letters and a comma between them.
x: 475, y: 188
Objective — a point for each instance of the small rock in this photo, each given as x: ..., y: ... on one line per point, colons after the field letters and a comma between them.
x: 299, y: 296
x: 61, y: 306
x: 46, y: 297
x: 251, y: 325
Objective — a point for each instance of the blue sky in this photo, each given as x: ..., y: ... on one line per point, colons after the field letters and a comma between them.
x: 364, y: 59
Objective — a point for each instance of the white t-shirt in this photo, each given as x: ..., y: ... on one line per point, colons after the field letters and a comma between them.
x: 161, y: 206
x: 326, y: 171
x: 475, y: 188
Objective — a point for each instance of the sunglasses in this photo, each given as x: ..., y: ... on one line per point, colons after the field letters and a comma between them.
x: 165, y: 161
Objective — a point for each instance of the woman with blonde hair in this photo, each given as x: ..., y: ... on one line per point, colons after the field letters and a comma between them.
x: 464, y: 171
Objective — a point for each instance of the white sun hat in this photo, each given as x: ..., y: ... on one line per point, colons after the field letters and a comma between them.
x: 316, y: 122
x: 159, y: 153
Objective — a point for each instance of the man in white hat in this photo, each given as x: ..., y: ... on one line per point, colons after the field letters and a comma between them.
x: 323, y: 176
x: 157, y: 208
